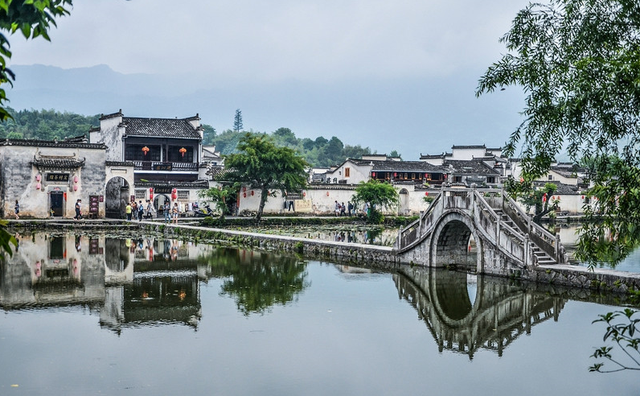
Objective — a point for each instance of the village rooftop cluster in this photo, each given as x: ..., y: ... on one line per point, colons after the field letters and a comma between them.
x: 163, y: 159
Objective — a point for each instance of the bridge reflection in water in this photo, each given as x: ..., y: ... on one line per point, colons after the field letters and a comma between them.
x: 150, y: 282
x: 465, y: 313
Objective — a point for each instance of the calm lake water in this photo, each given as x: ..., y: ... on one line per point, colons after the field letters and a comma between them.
x: 90, y: 314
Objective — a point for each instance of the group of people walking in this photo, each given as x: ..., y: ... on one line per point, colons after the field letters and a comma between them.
x: 342, y: 210
x: 137, y: 210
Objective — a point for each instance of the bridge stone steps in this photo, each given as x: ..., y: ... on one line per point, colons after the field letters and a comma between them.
x: 542, y: 258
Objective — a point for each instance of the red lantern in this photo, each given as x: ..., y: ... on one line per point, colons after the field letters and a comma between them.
x: 583, y: 197
x: 182, y: 151
x: 373, y: 174
x: 304, y: 194
x: 426, y: 193
x: 251, y: 192
x: 145, y: 150
x: 244, y: 194
x: 174, y: 194
x: 395, y: 174
x: 151, y: 193
x: 426, y: 175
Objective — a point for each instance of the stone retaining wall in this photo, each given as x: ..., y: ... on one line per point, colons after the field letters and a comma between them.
x: 598, y: 279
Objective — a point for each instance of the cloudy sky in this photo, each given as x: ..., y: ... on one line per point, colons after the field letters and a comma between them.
x: 386, y: 74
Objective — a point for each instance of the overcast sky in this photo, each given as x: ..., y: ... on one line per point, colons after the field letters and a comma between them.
x: 313, y: 43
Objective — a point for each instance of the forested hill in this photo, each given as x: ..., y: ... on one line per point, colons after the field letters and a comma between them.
x: 51, y: 124
x: 46, y: 125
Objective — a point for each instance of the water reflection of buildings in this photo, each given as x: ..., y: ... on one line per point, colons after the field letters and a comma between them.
x: 465, y: 313
x: 130, y: 282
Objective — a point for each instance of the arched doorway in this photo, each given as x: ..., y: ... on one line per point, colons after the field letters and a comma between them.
x: 403, y: 208
x: 117, y: 195
x: 158, y: 203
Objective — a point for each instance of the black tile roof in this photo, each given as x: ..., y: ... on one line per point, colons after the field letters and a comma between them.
x: 57, y: 163
x: 400, y: 166
x: 469, y: 167
x: 112, y: 115
x: 161, y: 127
x: 51, y: 143
x: 119, y: 163
x: 176, y: 184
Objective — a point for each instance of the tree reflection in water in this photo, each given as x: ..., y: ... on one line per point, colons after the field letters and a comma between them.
x: 257, y: 281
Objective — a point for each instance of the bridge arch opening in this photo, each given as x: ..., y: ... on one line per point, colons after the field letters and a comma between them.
x: 454, y: 302
x: 455, y: 244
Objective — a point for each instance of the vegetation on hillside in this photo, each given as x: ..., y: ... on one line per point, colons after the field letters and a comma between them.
x: 55, y: 125
x: 45, y: 125
x: 319, y: 152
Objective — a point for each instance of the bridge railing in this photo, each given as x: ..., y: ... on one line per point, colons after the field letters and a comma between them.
x: 449, y: 198
x: 413, y: 233
x: 510, y: 240
x: 538, y: 234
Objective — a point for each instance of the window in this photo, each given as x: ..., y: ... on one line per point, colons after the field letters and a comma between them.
x: 491, y: 179
x: 180, y: 154
x: 183, y: 195
x: 135, y: 152
x: 550, y: 177
x: 347, y: 172
x: 457, y: 179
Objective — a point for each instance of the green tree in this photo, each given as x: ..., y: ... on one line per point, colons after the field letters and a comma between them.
x: 6, y: 240
x: 227, y: 141
x: 355, y: 151
x: 219, y: 196
x: 208, y: 135
x: 265, y: 166
x: 260, y: 281
x: 376, y: 195
x: 622, y: 327
x: 395, y: 154
x: 32, y: 19
x: 237, y: 121
x: 285, y: 137
x: 579, y: 63
x: 537, y: 197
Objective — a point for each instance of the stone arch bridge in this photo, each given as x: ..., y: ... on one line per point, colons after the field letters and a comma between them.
x: 482, y: 229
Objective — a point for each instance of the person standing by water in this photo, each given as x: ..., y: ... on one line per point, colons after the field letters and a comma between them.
x: 128, y: 210
x: 78, y: 214
x: 17, y: 209
x: 166, y: 210
x: 174, y: 212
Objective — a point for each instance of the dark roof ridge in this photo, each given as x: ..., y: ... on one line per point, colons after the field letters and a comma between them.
x: 112, y: 115
x: 51, y: 143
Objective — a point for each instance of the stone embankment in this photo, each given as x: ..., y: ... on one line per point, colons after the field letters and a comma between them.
x: 598, y: 279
